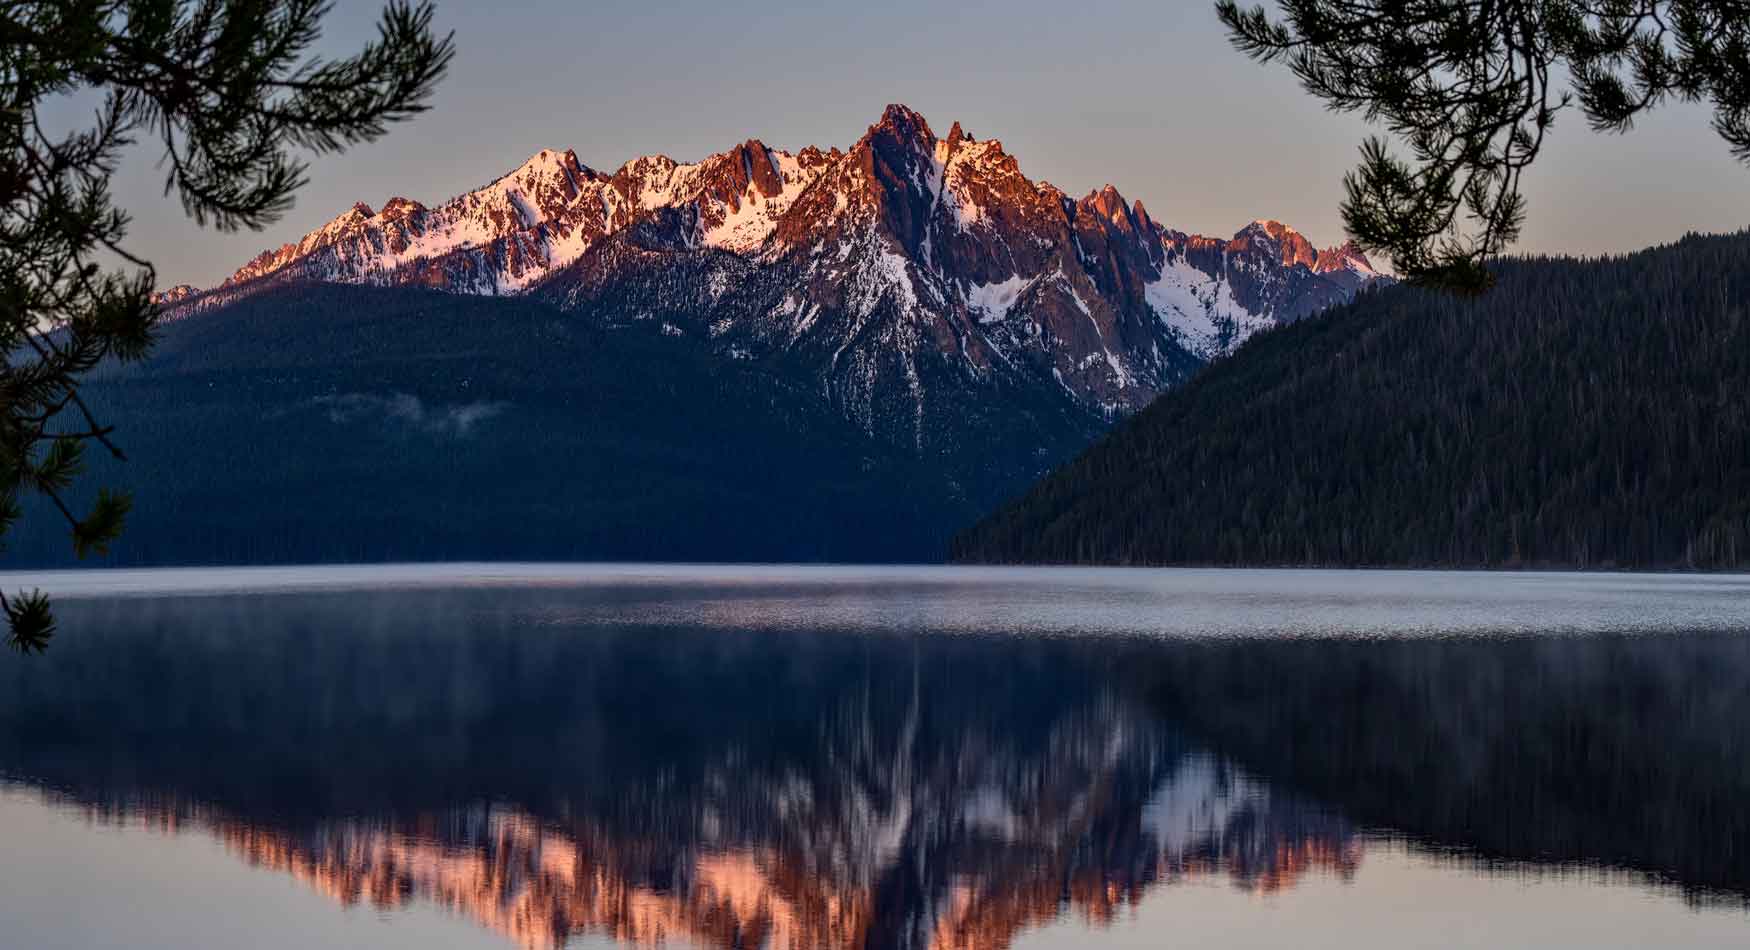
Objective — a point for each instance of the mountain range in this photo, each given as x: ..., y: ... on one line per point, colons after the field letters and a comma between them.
x: 897, y: 274
x: 840, y: 354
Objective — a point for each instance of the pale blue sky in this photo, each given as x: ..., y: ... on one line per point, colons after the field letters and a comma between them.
x: 1144, y: 94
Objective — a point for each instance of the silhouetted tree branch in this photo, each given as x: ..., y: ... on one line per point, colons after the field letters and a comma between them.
x: 229, y: 90
x: 1470, y: 87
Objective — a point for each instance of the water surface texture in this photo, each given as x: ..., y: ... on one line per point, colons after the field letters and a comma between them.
x: 479, y: 756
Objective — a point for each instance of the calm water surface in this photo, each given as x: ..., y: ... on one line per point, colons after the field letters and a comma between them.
x: 502, y: 756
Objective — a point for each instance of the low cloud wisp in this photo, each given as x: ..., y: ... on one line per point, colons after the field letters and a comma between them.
x: 404, y: 409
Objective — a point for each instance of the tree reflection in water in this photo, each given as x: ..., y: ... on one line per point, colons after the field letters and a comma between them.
x: 748, y: 787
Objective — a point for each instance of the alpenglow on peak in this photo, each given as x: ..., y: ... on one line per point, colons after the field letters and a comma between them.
x: 902, y: 259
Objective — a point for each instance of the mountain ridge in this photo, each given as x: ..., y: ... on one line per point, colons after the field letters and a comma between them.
x: 1579, y: 415
x: 901, y: 273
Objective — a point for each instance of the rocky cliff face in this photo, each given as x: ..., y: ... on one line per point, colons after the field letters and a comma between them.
x: 899, y: 276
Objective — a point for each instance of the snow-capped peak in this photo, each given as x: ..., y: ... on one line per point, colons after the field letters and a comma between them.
x: 1278, y: 240
x: 1347, y: 257
x: 889, y: 257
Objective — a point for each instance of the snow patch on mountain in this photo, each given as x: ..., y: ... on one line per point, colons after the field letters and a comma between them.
x: 992, y: 302
x: 1200, y: 310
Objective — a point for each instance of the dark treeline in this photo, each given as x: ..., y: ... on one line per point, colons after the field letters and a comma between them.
x: 353, y: 424
x: 1582, y: 414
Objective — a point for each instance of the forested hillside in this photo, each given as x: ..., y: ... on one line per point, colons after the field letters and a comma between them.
x: 1584, y: 413
x: 326, y: 423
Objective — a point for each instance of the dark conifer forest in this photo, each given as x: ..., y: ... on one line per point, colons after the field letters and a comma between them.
x: 339, y: 424
x: 1583, y: 413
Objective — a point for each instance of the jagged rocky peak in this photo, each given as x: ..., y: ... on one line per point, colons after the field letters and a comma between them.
x: 398, y: 208
x: 1347, y: 256
x: 894, y: 149
x: 904, y: 123
x: 174, y: 295
x: 760, y: 165
x: 1142, y: 217
x: 1286, y: 244
x: 956, y: 137
x: 549, y: 165
x: 749, y: 171
x: 905, y: 138
x: 813, y: 159
x: 1110, y: 205
x: 538, y: 190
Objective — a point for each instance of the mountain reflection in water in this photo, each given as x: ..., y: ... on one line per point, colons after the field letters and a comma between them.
x: 958, y: 879
x: 725, y: 786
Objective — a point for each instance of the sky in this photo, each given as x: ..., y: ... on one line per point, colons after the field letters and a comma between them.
x: 1143, y: 94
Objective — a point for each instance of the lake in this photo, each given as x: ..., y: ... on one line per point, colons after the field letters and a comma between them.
x: 495, y: 756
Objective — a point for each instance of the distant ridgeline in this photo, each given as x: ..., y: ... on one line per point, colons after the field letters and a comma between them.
x: 1582, y: 414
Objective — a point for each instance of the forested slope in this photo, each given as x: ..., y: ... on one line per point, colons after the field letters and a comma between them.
x: 326, y: 423
x: 1584, y: 413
